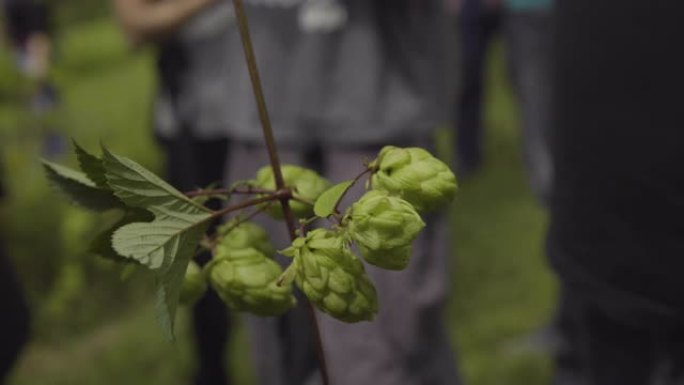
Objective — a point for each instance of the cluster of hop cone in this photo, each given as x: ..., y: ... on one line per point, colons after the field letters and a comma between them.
x: 380, y: 228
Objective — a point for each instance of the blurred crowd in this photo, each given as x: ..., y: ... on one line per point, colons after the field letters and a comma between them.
x: 596, y: 86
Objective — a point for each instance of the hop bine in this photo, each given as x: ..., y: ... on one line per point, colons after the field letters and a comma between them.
x: 246, y: 280
x: 194, y: 284
x: 332, y: 277
x: 384, y: 227
x: 236, y: 235
x: 414, y: 175
x: 306, y: 186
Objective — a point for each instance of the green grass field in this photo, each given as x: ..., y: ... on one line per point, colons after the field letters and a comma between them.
x: 92, y: 328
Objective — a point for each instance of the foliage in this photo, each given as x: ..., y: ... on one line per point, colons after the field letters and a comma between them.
x: 382, y: 224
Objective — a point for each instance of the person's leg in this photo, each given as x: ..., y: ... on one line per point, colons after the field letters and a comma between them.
x: 528, y: 47
x: 15, y: 322
x: 193, y: 164
x: 671, y: 355
x: 407, y: 343
x: 211, y: 322
x: 282, y: 347
x: 477, y: 29
x: 611, y: 351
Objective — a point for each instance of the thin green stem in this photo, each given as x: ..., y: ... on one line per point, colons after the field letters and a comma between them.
x: 355, y: 181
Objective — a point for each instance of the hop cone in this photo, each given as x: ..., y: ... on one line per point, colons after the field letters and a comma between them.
x: 194, y: 285
x: 383, y: 228
x: 246, y: 280
x: 415, y: 175
x: 236, y: 236
x: 306, y: 184
x: 332, y: 277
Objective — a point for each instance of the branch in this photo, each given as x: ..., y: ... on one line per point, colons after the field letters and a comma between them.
x: 275, y: 161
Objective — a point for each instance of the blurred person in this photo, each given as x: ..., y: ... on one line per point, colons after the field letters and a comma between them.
x: 527, y: 40
x: 616, y: 237
x: 480, y: 20
x: 343, y: 78
x: 27, y: 25
x: 526, y: 28
x: 29, y: 32
x: 15, y: 319
x: 189, y: 123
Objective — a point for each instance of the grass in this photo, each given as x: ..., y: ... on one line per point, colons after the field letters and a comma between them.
x: 105, y: 332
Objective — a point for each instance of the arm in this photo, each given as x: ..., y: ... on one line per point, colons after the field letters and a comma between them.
x: 145, y: 21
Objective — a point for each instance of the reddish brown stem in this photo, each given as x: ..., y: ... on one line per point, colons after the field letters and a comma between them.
x: 249, y: 190
x: 275, y: 161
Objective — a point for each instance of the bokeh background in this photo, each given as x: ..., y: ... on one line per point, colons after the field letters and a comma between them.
x: 93, y: 322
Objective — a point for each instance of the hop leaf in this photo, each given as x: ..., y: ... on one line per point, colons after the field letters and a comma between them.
x: 79, y: 189
x: 306, y: 184
x: 167, y: 243
x: 332, y: 277
x: 235, y: 235
x: 194, y: 284
x: 384, y: 227
x: 396, y: 258
x: 246, y: 280
x: 415, y: 175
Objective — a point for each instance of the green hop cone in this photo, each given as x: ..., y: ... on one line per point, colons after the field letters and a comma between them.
x: 194, y: 284
x: 332, y: 277
x: 306, y: 184
x: 415, y: 175
x: 234, y: 235
x: 246, y: 280
x: 383, y: 228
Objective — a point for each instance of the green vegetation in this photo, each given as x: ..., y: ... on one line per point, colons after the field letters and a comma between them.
x: 91, y: 327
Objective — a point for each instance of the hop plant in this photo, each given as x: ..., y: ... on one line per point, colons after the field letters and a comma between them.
x: 306, y: 184
x: 236, y: 235
x: 332, y: 277
x: 194, y: 284
x: 383, y: 228
x: 246, y: 280
x: 415, y: 175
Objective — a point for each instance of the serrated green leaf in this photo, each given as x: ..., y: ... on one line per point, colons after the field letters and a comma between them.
x: 157, y: 244
x: 139, y: 187
x: 154, y: 244
x: 102, y: 244
x: 91, y: 165
x: 79, y: 189
x: 326, y: 203
x: 169, y: 282
x: 164, y: 245
x: 288, y: 276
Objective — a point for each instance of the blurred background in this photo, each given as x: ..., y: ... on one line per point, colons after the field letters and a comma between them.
x: 94, y: 324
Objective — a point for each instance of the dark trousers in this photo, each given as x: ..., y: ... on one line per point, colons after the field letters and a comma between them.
x: 192, y: 164
x: 14, y: 322
x: 605, y: 347
x: 528, y: 47
x: 478, y: 26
